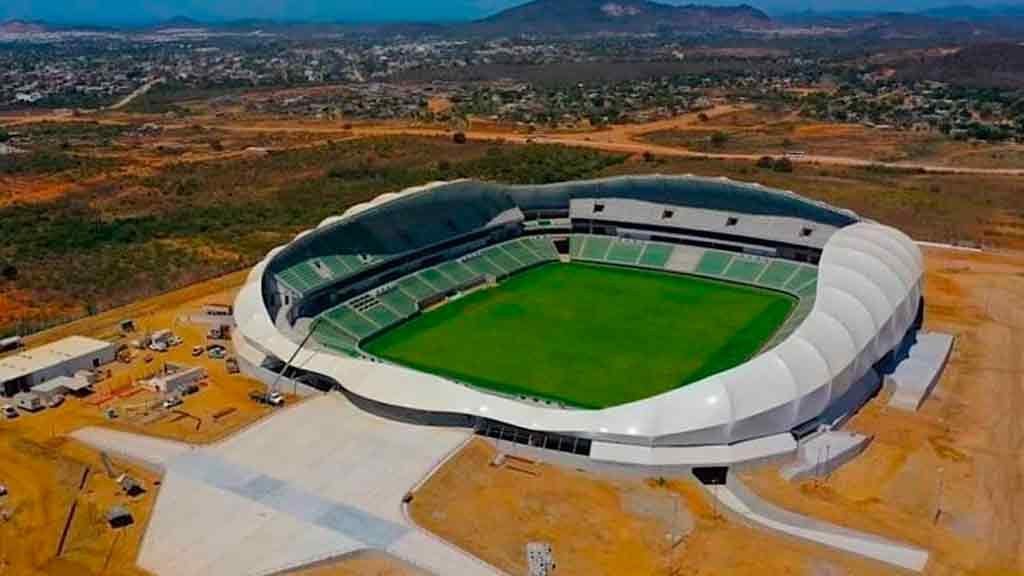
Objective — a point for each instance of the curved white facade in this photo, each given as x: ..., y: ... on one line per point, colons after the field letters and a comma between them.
x: 868, y: 296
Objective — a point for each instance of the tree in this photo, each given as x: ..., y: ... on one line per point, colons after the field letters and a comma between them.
x: 719, y: 138
x: 459, y: 138
x: 783, y: 165
x: 4, y: 135
x: 9, y: 272
x: 649, y: 156
x: 766, y: 162
x: 702, y: 117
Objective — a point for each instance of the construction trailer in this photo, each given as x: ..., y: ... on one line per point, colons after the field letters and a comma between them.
x: 12, y: 343
x: 27, y: 369
x: 174, y: 378
x: 29, y: 401
x: 78, y: 385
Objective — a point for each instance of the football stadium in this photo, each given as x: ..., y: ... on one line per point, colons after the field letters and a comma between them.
x: 642, y: 320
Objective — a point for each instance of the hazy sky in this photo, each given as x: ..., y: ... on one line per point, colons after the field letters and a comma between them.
x: 113, y: 11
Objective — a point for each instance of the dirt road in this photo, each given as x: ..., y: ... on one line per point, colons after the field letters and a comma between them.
x: 626, y: 138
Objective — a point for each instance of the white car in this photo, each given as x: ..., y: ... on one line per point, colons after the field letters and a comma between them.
x: 10, y: 411
x: 275, y: 399
x: 171, y: 402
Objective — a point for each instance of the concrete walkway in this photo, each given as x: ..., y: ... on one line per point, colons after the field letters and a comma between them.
x: 315, y: 481
x: 748, y: 507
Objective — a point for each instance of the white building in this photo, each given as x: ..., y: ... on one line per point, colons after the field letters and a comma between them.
x: 64, y: 358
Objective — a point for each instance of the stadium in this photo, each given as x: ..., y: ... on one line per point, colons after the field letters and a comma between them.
x: 646, y: 321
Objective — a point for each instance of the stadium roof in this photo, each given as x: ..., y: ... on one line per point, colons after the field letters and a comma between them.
x: 868, y: 295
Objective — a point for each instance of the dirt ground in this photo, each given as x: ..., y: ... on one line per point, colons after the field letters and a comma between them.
x: 948, y: 478
x: 369, y: 563
x: 44, y: 470
x: 951, y: 476
x: 602, y: 525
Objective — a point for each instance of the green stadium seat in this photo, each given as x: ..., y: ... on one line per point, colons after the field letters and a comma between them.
x: 334, y: 338
x: 292, y: 280
x: 596, y: 248
x: 415, y: 287
x: 802, y: 277
x: 351, y: 321
x: 576, y: 243
x: 744, y: 269
x: 520, y: 253
x: 353, y: 262
x: 543, y: 247
x: 309, y: 274
x: 777, y: 273
x: 382, y: 316
x: 435, y: 278
x: 503, y: 260
x: 336, y: 265
x: 399, y: 302
x: 625, y: 252
x: 483, y: 266
x: 457, y: 271
x: 714, y: 263
x: 808, y: 289
x: 656, y: 255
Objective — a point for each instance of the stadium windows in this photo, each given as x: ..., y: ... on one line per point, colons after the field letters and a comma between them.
x: 667, y: 214
x: 598, y: 208
x: 732, y: 221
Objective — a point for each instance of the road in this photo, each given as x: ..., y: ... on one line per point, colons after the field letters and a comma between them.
x: 617, y: 138
x: 138, y: 92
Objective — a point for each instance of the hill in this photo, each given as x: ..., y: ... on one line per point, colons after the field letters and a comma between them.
x: 618, y: 16
x: 994, y: 65
x: 21, y: 27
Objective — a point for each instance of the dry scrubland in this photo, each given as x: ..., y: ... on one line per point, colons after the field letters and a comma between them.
x: 118, y: 207
x: 751, y: 131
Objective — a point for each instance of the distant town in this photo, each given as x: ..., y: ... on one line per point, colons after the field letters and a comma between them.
x: 538, y: 82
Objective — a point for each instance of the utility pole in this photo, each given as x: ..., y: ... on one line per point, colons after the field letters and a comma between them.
x: 312, y: 329
x: 938, y: 504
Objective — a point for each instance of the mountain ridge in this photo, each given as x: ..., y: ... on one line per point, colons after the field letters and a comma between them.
x: 619, y: 16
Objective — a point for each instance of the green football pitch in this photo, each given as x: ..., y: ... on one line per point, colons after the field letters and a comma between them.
x: 589, y: 336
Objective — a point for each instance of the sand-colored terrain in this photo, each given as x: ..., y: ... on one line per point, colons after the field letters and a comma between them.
x: 368, y: 563
x: 46, y: 473
x: 602, y: 525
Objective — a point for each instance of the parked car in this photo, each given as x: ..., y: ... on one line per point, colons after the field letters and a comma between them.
x: 217, y: 353
x: 10, y: 411
x: 197, y: 351
x: 271, y: 398
x: 171, y: 402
